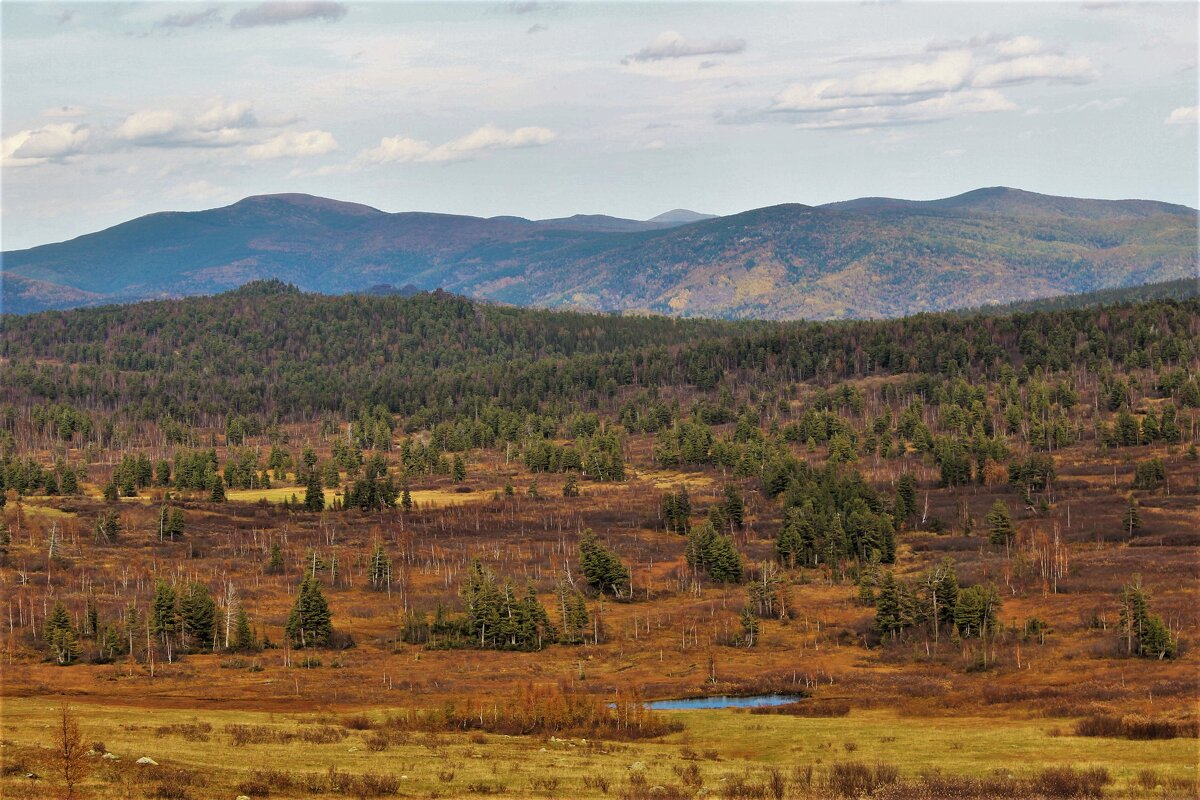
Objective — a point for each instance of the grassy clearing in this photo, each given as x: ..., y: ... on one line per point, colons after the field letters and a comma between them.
x: 433, y: 498
x: 721, y: 745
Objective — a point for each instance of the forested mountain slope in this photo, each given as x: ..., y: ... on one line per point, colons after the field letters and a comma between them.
x: 874, y: 257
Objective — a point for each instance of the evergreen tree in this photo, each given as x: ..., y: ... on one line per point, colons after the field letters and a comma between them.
x: 601, y: 566
x: 57, y: 621
x: 574, y: 614
x: 406, y: 501
x: 309, y: 624
x: 976, y: 610
x: 217, y: 493
x: 722, y: 560
x: 197, y: 616
x: 314, y: 493
x: 906, y: 498
x: 459, y: 470
x: 243, y: 637
x: 1000, y: 524
x: 1132, y: 520
x: 108, y: 527
x: 735, y: 506
x: 889, y: 617
x: 676, y: 508
x: 70, y: 483
x: 749, y: 624
x: 110, y: 492
x: 571, y: 487
x: 275, y: 563
x: 163, y: 610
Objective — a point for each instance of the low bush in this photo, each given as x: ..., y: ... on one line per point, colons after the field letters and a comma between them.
x: 1136, y: 728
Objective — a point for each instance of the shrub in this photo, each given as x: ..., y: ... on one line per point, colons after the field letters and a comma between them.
x: 377, y: 741
x: 854, y: 778
x: 1136, y: 728
x: 1067, y: 782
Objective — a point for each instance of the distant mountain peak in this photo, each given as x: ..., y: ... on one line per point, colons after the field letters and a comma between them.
x: 306, y: 201
x: 866, y: 257
x: 681, y: 216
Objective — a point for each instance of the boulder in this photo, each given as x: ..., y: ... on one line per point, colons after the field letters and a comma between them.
x: 147, y: 760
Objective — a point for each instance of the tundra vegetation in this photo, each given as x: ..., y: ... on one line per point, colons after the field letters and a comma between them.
x: 285, y: 545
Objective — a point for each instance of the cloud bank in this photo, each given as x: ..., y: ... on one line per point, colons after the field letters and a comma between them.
x: 283, y: 13
x: 671, y: 44
x: 402, y: 149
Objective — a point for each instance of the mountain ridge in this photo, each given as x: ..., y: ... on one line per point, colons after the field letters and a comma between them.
x: 869, y: 257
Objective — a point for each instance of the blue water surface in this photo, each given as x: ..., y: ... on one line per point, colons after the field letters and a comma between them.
x: 753, y: 701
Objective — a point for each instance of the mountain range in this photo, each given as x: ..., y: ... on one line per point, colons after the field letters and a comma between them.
x: 871, y: 257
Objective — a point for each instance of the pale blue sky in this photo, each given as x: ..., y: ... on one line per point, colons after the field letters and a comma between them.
x: 546, y: 109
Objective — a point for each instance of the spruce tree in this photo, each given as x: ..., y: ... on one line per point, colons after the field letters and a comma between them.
x: 459, y: 472
x: 217, y: 494
x: 722, y: 560
x: 735, y: 506
x: 888, y: 617
x: 314, y: 493
x: 275, y: 563
x: 243, y: 636
x: 309, y: 623
x: 197, y: 616
x: 749, y: 624
x: 999, y: 524
x: 57, y: 621
x: 601, y: 566
x: 1132, y: 519
x: 163, y: 610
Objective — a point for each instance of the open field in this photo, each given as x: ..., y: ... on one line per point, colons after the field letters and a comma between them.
x: 723, y: 746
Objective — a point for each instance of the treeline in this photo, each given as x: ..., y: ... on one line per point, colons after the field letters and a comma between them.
x: 433, y: 358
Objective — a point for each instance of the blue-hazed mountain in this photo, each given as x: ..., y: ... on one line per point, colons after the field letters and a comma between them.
x: 862, y: 258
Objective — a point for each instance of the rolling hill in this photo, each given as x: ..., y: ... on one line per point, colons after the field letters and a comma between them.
x: 872, y: 257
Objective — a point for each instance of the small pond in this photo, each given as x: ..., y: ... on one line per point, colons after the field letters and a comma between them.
x: 753, y: 701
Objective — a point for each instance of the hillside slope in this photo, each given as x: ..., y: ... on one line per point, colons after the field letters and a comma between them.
x: 874, y: 257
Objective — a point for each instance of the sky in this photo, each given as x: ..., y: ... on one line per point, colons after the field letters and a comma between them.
x: 543, y: 109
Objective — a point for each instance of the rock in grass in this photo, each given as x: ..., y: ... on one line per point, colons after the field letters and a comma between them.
x: 147, y: 760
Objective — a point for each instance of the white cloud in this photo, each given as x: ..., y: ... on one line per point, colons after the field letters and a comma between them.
x: 221, y: 125
x: 1184, y: 115
x: 282, y: 13
x: 1036, y: 68
x: 670, y: 44
x: 931, y: 109
x: 1020, y: 46
x: 49, y: 143
x: 489, y: 137
x: 958, y: 78
x: 190, y: 20
x: 392, y: 149
x: 294, y: 144
x: 148, y: 125
x: 221, y: 115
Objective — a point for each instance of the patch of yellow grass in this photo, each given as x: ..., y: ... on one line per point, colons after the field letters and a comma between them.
x: 722, y: 744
